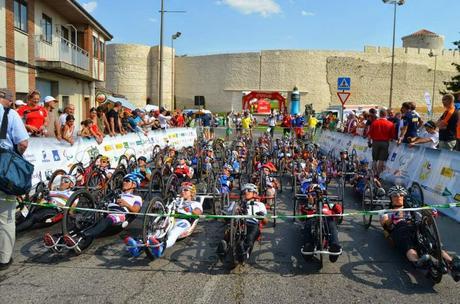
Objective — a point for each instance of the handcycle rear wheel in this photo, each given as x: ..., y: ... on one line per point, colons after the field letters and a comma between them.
x: 154, y: 225
x: 368, y: 204
x: 76, y: 220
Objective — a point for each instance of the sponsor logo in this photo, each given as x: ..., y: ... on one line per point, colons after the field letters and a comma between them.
x: 108, y: 148
x: 457, y: 197
x: 67, y: 156
x: 56, y: 156
x: 139, y: 143
x: 126, y: 145
x: 45, y: 157
x: 119, y: 146
x: 447, y: 172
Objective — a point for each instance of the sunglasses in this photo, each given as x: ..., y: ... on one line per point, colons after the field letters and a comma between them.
x: 66, y: 180
x: 185, y: 190
x: 127, y: 181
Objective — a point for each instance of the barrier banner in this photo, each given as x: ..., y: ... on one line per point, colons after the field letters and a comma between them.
x: 48, y: 154
x: 436, y: 171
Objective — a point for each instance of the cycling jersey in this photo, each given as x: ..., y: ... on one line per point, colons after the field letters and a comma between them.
x: 59, y: 198
x: 252, y: 208
x: 225, y: 182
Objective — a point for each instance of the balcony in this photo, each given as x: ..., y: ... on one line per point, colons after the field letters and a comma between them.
x: 62, y: 56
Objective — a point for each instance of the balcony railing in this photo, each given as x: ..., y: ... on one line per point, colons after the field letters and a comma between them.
x: 62, y: 50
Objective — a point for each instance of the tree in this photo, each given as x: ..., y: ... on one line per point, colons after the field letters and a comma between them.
x: 454, y: 84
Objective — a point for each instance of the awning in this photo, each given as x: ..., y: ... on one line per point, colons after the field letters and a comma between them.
x: 124, y: 102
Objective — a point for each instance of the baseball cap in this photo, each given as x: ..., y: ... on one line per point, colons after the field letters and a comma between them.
x: 48, y: 99
x: 430, y: 124
x: 19, y: 103
x: 5, y: 93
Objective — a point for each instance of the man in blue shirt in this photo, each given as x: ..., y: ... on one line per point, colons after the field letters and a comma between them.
x: 410, y: 123
x: 16, y: 138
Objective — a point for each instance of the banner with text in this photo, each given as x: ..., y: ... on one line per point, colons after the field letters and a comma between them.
x: 48, y: 154
x: 436, y: 171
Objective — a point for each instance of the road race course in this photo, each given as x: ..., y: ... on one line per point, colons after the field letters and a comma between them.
x: 368, y: 270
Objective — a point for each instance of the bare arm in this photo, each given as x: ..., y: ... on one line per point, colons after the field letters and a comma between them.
x: 22, y: 146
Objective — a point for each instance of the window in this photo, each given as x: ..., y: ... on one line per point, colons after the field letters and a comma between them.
x: 21, y: 96
x: 64, y: 32
x: 65, y: 101
x: 101, y: 50
x: 95, y: 46
x: 20, y: 15
x: 47, y: 29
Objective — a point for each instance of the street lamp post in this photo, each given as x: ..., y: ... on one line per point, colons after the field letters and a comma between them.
x: 395, y: 3
x: 431, y: 54
x: 173, y: 37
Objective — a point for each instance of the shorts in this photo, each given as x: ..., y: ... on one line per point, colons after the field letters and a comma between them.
x: 404, y: 237
x: 380, y: 150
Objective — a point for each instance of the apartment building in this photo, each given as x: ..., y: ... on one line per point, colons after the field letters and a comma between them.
x: 54, y: 46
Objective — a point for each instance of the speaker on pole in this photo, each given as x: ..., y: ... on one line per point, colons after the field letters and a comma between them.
x: 199, y: 101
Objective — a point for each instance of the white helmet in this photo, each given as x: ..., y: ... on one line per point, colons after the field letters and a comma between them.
x: 251, y: 188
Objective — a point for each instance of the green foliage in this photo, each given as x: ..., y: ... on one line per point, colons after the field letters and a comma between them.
x: 453, y: 85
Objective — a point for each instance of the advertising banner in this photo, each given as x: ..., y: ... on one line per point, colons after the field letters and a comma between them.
x: 48, y: 154
x: 436, y: 171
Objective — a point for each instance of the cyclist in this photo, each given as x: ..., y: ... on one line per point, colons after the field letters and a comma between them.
x: 104, y: 165
x: 186, y: 205
x: 226, y: 180
x: 143, y: 170
x: 359, y: 181
x: 45, y: 216
x: 183, y: 171
x: 127, y: 202
x: 170, y: 157
x: 251, y: 206
x: 271, y: 183
x: 316, y: 195
x: 400, y: 227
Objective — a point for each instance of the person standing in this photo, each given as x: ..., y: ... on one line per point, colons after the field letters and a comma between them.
x: 381, y: 132
x: 34, y: 115
x: 16, y: 139
x: 271, y: 123
x: 447, y: 124
x: 410, y: 123
x: 115, y: 120
x: 53, y: 116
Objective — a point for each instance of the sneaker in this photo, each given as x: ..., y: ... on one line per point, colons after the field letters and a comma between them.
x: 5, y: 266
x: 155, y: 246
x: 49, y: 241
x: 334, y: 248
x: 71, y: 243
x: 132, y: 246
x: 455, y: 268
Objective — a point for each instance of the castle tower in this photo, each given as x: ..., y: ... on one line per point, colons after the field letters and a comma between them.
x: 424, y: 39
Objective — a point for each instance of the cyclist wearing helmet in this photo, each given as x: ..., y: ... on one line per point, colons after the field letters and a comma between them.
x: 253, y: 207
x: 126, y: 202
x: 271, y: 183
x: 187, y: 205
x: 359, y: 180
x: 143, y: 170
x: 225, y: 179
x: 315, y: 194
x: 104, y: 165
x: 208, y: 159
x: 183, y: 171
x: 400, y: 227
x: 45, y: 216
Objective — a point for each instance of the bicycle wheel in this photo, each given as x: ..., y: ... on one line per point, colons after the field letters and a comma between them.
x: 77, y: 220
x: 123, y: 162
x: 430, y: 243
x: 416, y: 194
x: 236, y: 236
x: 368, y: 204
x: 172, y: 187
x: 274, y: 210
x: 132, y: 163
x: 156, y: 226
x: 78, y: 171
x: 156, y: 182
x: 116, y: 181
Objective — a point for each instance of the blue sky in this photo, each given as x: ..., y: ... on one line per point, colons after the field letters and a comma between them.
x: 221, y: 26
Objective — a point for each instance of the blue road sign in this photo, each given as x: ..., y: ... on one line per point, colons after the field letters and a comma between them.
x: 344, y: 84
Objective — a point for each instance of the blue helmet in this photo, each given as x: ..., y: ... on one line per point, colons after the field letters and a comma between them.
x: 364, y: 162
x: 134, y: 177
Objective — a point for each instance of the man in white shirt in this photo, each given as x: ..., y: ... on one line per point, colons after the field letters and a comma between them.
x: 429, y: 138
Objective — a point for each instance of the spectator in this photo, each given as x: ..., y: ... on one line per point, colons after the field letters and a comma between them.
x: 163, y: 118
x: 298, y: 123
x: 312, y: 122
x: 68, y: 129
x: 361, y: 125
x: 16, y: 139
x: 113, y: 116
x: 381, y: 132
x: 457, y: 101
x: 68, y: 110
x: 458, y: 131
x: 352, y: 124
x: 271, y: 121
x: 34, y: 115
x: 101, y: 120
x: 370, y: 117
x: 447, y: 124
x: 410, y: 123
x: 180, y: 121
x: 286, y: 124
x: 429, y: 138
x: 53, y: 116
x: 96, y: 131
x: 395, y: 119
x: 206, y: 121
x: 90, y: 130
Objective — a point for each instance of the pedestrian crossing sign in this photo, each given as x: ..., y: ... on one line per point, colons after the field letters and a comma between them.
x: 343, y: 83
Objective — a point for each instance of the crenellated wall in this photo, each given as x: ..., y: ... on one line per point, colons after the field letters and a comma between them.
x: 133, y: 71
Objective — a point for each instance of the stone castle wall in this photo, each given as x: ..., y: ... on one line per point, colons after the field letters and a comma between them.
x: 133, y: 71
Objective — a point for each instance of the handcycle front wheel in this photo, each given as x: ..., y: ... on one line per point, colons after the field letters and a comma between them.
x: 154, y: 225
x: 430, y: 243
x: 367, y: 204
x: 78, y: 220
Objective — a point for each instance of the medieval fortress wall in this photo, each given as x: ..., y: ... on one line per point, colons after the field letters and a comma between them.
x: 132, y: 70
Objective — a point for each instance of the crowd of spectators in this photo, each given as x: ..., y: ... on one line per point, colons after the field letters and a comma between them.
x: 43, y: 118
x: 409, y: 127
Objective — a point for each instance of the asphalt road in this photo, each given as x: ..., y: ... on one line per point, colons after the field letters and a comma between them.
x: 368, y: 271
